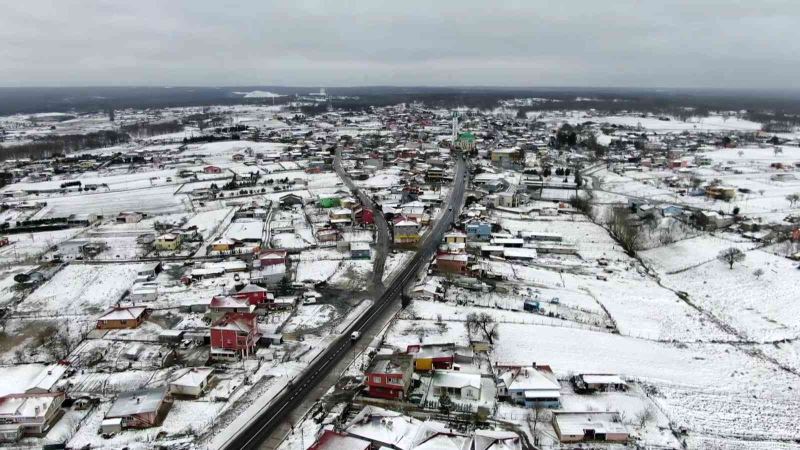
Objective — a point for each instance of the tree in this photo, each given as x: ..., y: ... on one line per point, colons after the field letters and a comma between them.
x: 284, y: 286
x: 793, y: 199
x: 482, y: 324
x: 758, y: 273
x: 731, y: 256
x: 445, y: 404
x: 628, y: 235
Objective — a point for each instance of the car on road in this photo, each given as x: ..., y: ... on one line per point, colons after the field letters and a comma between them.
x: 355, y: 335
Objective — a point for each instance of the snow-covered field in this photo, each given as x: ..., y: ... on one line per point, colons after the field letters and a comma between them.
x: 80, y: 289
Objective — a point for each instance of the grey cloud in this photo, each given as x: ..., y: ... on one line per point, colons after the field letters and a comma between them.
x: 691, y: 43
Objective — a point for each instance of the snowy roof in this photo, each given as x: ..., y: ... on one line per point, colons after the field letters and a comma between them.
x: 250, y: 288
x: 193, y: 377
x: 359, y: 246
x: 26, y: 405
x: 137, y: 402
x: 455, y: 379
x: 529, y: 378
x: 602, y: 379
x: 123, y: 313
x: 48, y: 377
x: 527, y: 253
x: 575, y: 423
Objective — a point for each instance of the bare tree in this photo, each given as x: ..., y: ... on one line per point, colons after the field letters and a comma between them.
x: 482, y: 324
x: 758, y: 273
x: 645, y: 416
x: 624, y: 232
x: 793, y: 199
x: 535, y: 416
x: 730, y: 256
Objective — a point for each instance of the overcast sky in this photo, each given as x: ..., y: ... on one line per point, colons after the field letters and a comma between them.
x: 630, y: 43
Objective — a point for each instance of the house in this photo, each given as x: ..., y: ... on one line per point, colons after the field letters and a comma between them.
x: 329, y: 201
x: 455, y: 237
x: 589, y: 426
x: 47, y: 379
x: 530, y: 386
x: 406, y: 232
x: 223, y: 245
x: 711, y: 220
x: 29, y: 414
x: 234, y: 335
x: 290, y: 199
x: 360, y: 250
x: 143, y: 408
x: 432, y: 356
x: 143, y: 292
x: 479, y: 230
x: 270, y: 275
x: 598, y: 382
x: 129, y: 217
x: 168, y: 242
x: 122, y: 317
x: 191, y: 382
x: 273, y: 256
x: 212, y: 169
x: 450, y: 263
x: 725, y: 193
x: 225, y: 304
x: 341, y: 216
x: 332, y: 440
x: 389, y: 376
x: 363, y: 216
x: 328, y: 235
x: 504, y: 157
x: 254, y: 294
x: 457, y: 384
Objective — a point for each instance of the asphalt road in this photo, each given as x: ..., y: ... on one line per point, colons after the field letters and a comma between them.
x: 272, y: 416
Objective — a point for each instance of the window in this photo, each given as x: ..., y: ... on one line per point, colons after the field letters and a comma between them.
x: 376, y: 379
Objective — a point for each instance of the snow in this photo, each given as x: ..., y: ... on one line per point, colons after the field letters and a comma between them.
x: 81, y: 289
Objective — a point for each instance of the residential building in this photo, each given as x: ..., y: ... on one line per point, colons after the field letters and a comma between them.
x: 191, y: 382
x: 389, y: 376
x: 29, y: 414
x: 457, y: 384
x: 589, y: 426
x: 121, y: 317
x: 406, y: 232
x: 360, y: 250
x: 529, y: 386
x: 168, y: 242
x: 233, y: 336
x: 432, y: 356
x: 332, y: 440
x: 143, y: 408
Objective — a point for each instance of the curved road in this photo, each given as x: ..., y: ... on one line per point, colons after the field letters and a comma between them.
x: 260, y: 429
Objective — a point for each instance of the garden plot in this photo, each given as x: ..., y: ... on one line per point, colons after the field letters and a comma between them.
x: 154, y: 200
x: 383, y: 178
x: 309, y: 317
x: 696, y: 382
x: 208, y: 222
x: 642, y: 308
x: 591, y: 240
x: 31, y: 245
x: 691, y: 252
x: 405, y: 332
x: 7, y: 283
x: 81, y: 289
x: 316, y: 271
x: 352, y: 274
x: 761, y: 308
